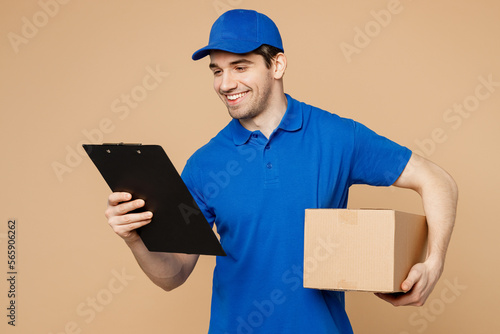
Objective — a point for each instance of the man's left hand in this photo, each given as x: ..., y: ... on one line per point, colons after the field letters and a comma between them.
x: 417, y: 286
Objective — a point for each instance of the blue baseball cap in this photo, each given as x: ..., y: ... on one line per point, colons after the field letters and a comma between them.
x: 241, y: 31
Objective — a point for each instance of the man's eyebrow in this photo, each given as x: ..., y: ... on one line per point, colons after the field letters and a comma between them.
x: 236, y: 62
x: 241, y: 61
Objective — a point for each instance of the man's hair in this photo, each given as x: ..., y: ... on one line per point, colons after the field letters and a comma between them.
x: 268, y: 52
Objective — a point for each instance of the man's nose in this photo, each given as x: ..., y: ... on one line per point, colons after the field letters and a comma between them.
x: 228, y: 83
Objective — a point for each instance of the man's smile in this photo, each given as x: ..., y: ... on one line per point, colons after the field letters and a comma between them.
x: 235, y: 98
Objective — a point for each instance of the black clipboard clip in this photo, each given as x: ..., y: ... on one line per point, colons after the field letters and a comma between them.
x: 123, y: 144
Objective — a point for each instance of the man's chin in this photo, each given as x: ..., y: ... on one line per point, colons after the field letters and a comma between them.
x: 240, y: 117
x: 236, y: 113
x: 241, y: 113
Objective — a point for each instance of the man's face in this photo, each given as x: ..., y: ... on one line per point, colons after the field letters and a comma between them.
x: 243, y: 82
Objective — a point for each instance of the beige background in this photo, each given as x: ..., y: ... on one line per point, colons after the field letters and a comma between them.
x: 65, y: 70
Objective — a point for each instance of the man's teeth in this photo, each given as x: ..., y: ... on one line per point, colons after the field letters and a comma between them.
x: 236, y: 96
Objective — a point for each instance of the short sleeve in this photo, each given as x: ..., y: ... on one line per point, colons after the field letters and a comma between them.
x: 376, y: 160
x: 189, y: 175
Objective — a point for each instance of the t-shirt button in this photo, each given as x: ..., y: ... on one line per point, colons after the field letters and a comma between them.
x: 269, y: 165
x: 254, y: 135
x: 268, y: 147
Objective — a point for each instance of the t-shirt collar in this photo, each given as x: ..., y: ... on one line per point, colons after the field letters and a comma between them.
x: 291, y: 121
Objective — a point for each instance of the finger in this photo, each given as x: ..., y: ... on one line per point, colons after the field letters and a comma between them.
x: 414, y: 276
x: 396, y: 299
x: 387, y: 297
x: 131, y: 219
x: 129, y: 230
x: 123, y: 208
x: 118, y: 197
x: 126, y: 207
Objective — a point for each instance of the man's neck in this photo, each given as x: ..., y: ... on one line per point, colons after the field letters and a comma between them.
x: 266, y: 122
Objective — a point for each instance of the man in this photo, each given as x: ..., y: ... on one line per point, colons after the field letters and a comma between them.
x: 276, y: 158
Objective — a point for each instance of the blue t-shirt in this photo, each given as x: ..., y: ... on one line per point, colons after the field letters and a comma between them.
x: 256, y: 190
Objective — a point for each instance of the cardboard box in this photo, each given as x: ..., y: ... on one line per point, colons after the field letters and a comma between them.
x: 361, y: 250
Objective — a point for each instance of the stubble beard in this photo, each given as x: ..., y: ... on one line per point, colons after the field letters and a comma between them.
x: 253, y: 109
x: 244, y: 112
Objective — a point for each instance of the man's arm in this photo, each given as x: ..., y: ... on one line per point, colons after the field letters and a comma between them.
x: 167, y: 270
x: 439, y: 194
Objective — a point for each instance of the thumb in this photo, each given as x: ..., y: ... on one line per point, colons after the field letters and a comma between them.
x: 413, y: 277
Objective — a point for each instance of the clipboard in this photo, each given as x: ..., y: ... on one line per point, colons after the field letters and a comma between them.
x: 146, y: 172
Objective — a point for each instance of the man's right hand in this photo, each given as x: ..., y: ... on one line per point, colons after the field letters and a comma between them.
x: 121, y: 221
x: 167, y: 270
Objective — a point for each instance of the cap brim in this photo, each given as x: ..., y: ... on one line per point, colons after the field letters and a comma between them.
x: 233, y: 46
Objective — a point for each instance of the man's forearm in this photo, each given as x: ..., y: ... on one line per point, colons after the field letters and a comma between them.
x: 439, y: 195
x: 167, y: 270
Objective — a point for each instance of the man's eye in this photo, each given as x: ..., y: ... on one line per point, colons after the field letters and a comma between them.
x: 240, y: 69
x: 217, y: 72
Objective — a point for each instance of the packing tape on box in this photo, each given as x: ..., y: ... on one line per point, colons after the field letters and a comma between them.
x: 348, y: 217
x: 346, y: 285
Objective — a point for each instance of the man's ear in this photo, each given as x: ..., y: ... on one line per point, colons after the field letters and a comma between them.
x: 279, y: 65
